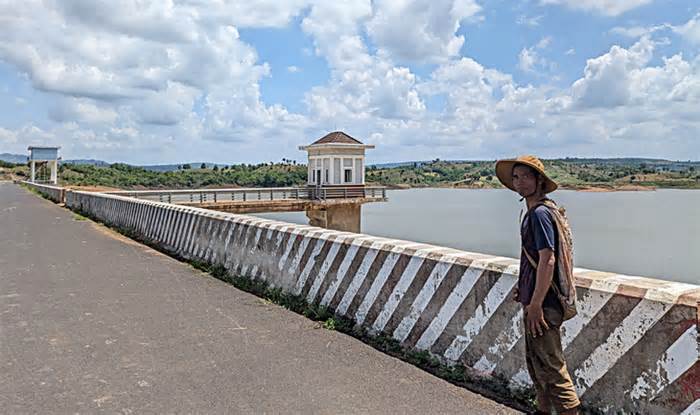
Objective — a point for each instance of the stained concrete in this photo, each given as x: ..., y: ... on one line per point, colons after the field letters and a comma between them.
x: 90, y: 321
x: 344, y: 217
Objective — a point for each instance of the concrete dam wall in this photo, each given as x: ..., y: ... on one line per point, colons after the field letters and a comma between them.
x: 54, y: 193
x: 632, y: 347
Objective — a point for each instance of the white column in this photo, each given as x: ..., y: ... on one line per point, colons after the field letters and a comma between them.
x: 33, y: 171
x: 54, y: 172
x: 331, y: 178
x: 309, y: 171
x: 362, y: 170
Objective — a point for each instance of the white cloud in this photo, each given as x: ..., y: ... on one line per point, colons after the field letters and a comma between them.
x: 28, y: 135
x: 123, y: 66
x: 608, y: 79
x: 362, y: 85
x: 432, y: 27
x: 293, y: 69
x: 533, y: 21
x: 82, y: 109
x: 167, y: 107
x: 259, y: 13
x: 7, y: 136
x: 544, y: 42
x: 605, y: 7
x: 570, y: 52
x: 335, y: 27
x: 634, y: 32
x: 160, y: 21
x: 631, y: 32
x: 690, y: 30
x: 529, y: 59
x: 178, y: 82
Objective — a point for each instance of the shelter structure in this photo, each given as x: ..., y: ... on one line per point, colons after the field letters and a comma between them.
x: 336, y: 160
x: 41, y: 159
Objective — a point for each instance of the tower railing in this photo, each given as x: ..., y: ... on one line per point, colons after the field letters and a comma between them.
x: 207, y: 196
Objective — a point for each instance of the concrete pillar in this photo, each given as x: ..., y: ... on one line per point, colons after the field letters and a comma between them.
x: 330, y: 171
x: 54, y: 172
x: 33, y: 166
x: 341, y: 217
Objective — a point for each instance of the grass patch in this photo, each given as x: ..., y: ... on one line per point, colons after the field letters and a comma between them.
x: 494, y: 388
x: 78, y: 217
x: 32, y: 190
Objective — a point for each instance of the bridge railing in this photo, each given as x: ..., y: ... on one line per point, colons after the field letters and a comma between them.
x: 324, y: 193
x: 201, y: 196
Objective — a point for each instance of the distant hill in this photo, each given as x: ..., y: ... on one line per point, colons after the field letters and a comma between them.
x: 572, y: 173
x: 90, y: 162
x: 13, y: 158
x: 162, y: 167
x: 658, y: 164
x: 418, y: 163
x: 22, y: 158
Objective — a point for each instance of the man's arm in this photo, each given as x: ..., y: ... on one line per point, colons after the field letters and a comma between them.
x: 545, y: 241
x: 545, y: 272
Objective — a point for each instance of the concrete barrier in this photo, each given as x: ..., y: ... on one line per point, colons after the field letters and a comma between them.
x: 54, y: 193
x: 633, y: 347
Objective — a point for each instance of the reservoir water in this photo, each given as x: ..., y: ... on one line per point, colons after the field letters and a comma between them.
x: 654, y: 234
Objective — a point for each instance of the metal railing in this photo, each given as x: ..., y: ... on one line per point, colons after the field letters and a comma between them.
x: 201, y: 196
x: 324, y: 193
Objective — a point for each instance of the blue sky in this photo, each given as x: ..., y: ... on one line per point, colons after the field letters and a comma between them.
x: 250, y: 81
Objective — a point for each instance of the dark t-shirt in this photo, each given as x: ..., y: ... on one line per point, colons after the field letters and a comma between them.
x: 538, y: 231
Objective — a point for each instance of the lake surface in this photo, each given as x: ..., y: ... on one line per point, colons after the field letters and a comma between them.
x: 653, y: 234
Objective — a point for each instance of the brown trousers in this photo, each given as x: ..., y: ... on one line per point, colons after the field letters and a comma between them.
x: 547, y: 366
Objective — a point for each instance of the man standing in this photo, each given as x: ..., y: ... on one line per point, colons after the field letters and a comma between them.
x: 543, y: 310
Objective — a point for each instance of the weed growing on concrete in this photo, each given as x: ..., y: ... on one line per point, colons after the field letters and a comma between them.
x: 33, y: 190
x: 493, y: 388
x: 78, y: 217
x: 329, y: 324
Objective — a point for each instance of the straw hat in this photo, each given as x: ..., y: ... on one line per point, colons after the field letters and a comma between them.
x: 504, y: 171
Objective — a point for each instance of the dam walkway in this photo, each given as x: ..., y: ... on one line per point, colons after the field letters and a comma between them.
x: 93, y: 322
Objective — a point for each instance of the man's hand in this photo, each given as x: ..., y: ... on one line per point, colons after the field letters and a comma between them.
x: 534, y: 317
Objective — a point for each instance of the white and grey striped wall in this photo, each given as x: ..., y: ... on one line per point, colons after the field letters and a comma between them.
x: 633, y: 346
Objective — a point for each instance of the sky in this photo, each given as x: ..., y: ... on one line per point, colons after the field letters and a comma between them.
x: 174, y: 81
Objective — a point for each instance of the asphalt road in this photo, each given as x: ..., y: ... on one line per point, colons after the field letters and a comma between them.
x: 94, y: 322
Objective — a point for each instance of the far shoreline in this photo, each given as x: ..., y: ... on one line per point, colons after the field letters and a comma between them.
x: 585, y: 189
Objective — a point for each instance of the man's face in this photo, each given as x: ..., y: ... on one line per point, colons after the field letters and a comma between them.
x: 524, y: 180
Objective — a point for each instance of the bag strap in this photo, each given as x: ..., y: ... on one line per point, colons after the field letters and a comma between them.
x: 532, y: 260
x: 534, y: 265
x: 529, y: 258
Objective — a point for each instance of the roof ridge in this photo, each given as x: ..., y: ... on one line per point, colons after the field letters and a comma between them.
x: 337, y: 137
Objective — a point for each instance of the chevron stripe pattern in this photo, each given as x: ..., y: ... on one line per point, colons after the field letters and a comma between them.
x: 632, y: 347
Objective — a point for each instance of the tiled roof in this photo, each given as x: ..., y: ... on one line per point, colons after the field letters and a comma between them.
x: 336, y: 137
